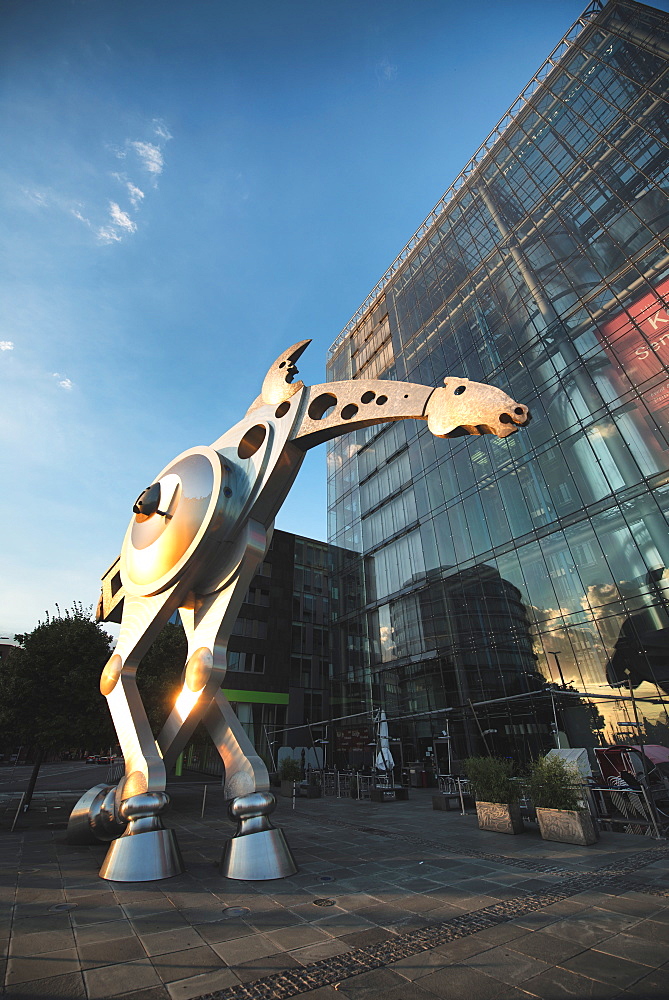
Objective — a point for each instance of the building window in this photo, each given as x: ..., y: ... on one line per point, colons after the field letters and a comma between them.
x: 246, y: 663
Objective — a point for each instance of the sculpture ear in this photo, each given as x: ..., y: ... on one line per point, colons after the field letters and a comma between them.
x: 278, y: 385
x: 443, y: 410
x: 439, y: 413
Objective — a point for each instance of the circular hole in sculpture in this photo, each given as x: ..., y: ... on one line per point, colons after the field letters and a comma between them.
x: 519, y: 410
x: 349, y: 411
x: 251, y: 441
x: 282, y: 409
x: 367, y: 397
x: 460, y: 389
x: 380, y: 400
x: 322, y: 405
x: 227, y: 492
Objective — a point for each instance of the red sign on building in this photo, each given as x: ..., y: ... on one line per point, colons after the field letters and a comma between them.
x: 637, y: 341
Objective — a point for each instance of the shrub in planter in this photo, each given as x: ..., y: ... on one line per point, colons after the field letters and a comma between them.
x: 555, y: 789
x: 496, y: 794
x: 289, y: 771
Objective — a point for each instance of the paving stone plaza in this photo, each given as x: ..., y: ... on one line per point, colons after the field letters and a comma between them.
x: 391, y: 900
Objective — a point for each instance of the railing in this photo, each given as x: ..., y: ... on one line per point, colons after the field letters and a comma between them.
x: 628, y: 810
x: 115, y: 772
x: 346, y: 784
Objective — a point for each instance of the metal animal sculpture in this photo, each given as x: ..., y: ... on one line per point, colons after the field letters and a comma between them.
x: 196, y: 538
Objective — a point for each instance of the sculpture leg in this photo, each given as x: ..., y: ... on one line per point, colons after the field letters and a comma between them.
x: 129, y: 815
x: 258, y: 850
x: 146, y: 850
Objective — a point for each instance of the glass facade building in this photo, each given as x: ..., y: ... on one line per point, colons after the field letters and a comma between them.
x: 511, y: 588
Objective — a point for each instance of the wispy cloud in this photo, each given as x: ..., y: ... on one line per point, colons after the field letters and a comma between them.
x: 37, y: 197
x: 119, y: 224
x: 135, y: 194
x: 82, y: 218
x: 63, y: 382
x: 118, y: 220
x: 385, y: 70
x: 107, y: 234
x: 161, y: 129
x: 150, y: 156
x: 6, y: 345
x: 121, y: 218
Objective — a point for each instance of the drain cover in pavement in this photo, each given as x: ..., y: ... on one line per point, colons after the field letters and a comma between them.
x: 235, y: 911
x: 328, y: 878
x: 324, y: 902
x: 62, y: 907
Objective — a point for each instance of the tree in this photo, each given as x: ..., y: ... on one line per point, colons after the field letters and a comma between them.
x: 159, y: 675
x: 50, y: 686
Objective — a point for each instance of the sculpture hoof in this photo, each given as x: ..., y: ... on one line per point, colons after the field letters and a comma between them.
x: 146, y: 852
x: 143, y: 857
x: 258, y: 851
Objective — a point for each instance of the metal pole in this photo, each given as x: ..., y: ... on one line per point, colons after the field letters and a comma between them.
x: 270, y: 747
x: 557, y: 663
x: 23, y: 795
x: 204, y: 799
x: 462, y: 798
x: 485, y: 742
x: 651, y: 812
x: 557, y: 730
x: 644, y: 763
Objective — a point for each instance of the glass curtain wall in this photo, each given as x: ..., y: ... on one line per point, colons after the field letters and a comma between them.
x: 504, y: 577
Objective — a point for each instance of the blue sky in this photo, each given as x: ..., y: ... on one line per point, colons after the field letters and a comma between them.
x: 187, y: 189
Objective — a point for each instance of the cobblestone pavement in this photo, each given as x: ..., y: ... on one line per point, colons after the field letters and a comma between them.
x: 391, y: 900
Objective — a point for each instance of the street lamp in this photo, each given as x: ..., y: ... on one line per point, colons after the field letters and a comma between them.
x: 557, y: 663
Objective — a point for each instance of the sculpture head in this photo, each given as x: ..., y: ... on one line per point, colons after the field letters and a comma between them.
x: 464, y: 407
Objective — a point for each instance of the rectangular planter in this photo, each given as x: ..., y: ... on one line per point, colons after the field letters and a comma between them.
x: 309, y: 791
x: 499, y: 817
x: 567, y: 826
x: 395, y: 794
x: 446, y: 801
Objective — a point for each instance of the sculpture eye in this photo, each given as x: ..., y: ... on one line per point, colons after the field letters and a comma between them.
x: 148, y: 501
x: 460, y: 389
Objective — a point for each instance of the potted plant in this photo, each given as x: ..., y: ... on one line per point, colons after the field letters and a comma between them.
x: 555, y: 789
x: 496, y: 794
x: 290, y: 771
x: 312, y: 788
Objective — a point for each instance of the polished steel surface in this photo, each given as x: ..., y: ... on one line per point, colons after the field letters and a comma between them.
x: 94, y: 817
x: 146, y: 857
x: 146, y: 851
x: 250, y: 857
x: 196, y: 538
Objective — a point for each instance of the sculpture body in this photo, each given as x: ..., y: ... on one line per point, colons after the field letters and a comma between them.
x: 194, y: 543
